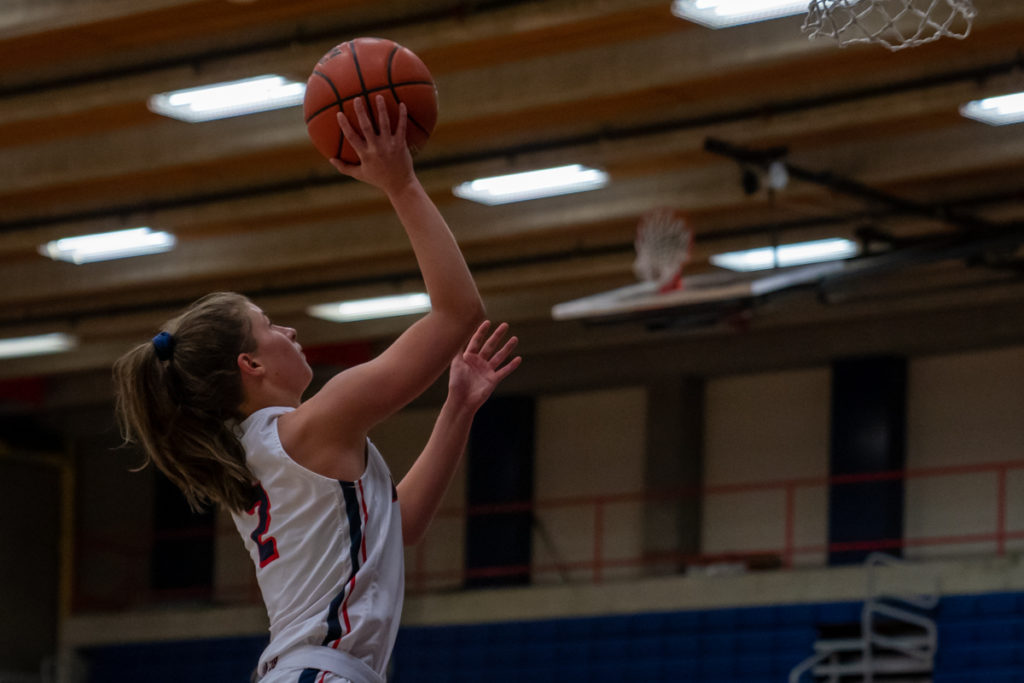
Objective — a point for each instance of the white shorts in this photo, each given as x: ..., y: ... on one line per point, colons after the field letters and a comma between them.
x: 312, y: 664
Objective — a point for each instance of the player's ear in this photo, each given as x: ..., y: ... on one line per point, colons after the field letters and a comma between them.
x: 248, y: 364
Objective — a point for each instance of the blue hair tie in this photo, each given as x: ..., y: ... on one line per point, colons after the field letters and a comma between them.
x: 163, y: 343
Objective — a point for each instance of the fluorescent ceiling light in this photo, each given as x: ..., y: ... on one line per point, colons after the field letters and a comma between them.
x: 109, y: 245
x: 996, y: 111
x: 233, y: 98
x: 368, y: 309
x: 520, y: 187
x: 19, y: 347
x: 723, y: 13
x: 785, y: 255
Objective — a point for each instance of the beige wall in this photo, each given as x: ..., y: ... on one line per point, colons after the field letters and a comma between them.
x: 964, y: 409
x: 234, y: 578
x: 114, y: 523
x: 441, y: 554
x: 767, y: 427
x: 588, y: 444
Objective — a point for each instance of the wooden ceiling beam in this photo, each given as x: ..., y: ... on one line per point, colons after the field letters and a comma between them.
x: 367, y: 246
x: 127, y: 157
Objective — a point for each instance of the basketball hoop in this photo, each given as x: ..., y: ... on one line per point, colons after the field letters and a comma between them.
x: 663, y: 243
x: 895, y: 24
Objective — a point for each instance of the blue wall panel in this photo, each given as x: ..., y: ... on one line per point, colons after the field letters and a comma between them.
x: 981, y: 639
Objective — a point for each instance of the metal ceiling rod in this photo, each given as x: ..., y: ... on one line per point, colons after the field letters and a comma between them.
x: 975, y: 237
x: 853, y: 188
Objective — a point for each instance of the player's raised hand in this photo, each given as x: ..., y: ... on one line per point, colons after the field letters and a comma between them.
x: 483, y: 364
x: 385, y: 159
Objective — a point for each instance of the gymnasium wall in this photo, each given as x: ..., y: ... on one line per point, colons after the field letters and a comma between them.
x: 763, y: 428
x: 28, y: 570
x: 114, y: 511
x: 963, y: 408
x: 588, y: 444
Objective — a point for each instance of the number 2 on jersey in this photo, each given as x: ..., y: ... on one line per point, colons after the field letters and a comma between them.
x: 267, y: 545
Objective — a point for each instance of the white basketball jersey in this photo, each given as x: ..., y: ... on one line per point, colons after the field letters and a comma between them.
x: 328, y: 553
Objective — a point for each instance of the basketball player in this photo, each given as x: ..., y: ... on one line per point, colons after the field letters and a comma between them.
x: 215, y: 402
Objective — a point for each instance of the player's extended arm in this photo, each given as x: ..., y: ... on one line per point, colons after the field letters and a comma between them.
x: 354, y: 401
x: 474, y: 374
x: 420, y: 355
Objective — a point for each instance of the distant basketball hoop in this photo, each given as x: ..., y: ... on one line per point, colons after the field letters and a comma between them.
x: 663, y: 243
x: 895, y: 24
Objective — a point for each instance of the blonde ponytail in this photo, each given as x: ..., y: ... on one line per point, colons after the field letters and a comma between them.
x: 177, y: 398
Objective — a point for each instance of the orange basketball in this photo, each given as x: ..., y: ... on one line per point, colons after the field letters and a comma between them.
x: 366, y: 67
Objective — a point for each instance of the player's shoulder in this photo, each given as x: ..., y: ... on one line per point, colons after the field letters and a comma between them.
x: 324, y: 446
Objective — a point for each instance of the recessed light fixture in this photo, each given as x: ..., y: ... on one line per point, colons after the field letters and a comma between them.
x: 996, y: 111
x: 232, y: 98
x: 36, y: 345
x: 724, y: 13
x: 369, y: 309
x: 786, y: 255
x: 520, y: 187
x: 105, y: 246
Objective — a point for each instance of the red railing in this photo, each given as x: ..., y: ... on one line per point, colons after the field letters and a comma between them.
x: 599, y: 563
x: 420, y: 578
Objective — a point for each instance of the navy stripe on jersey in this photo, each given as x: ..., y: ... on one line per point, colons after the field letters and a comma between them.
x: 355, y: 532
x: 308, y: 676
x: 355, y: 521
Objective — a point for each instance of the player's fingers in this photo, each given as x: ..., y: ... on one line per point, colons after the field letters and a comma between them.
x: 363, y: 117
x: 504, y: 352
x: 352, y: 170
x: 383, y: 120
x: 403, y: 121
x: 354, y: 138
x: 508, y: 368
x: 477, y: 340
x: 494, y: 341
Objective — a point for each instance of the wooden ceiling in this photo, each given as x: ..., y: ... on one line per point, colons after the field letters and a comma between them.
x: 620, y: 84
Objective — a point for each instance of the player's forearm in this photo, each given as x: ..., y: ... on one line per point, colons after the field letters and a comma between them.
x: 421, y: 490
x: 445, y: 273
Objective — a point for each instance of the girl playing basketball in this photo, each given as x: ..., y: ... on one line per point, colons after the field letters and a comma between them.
x: 215, y: 402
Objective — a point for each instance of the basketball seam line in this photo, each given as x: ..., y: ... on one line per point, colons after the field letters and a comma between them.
x: 337, y: 98
x: 411, y: 118
x: 362, y: 84
x: 340, y: 100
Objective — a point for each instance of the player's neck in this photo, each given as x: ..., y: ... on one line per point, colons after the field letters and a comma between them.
x: 263, y: 396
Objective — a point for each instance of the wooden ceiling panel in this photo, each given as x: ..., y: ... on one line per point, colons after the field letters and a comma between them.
x: 620, y: 84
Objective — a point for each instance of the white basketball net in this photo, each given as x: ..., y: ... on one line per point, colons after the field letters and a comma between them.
x: 663, y: 242
x: 896, y: 24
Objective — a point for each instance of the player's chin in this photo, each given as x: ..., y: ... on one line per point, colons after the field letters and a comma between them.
x: 307, y: 376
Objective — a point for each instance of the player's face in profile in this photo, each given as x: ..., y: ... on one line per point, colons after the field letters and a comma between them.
x: 278, y: 349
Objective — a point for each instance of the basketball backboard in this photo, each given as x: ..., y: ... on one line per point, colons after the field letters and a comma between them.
x: 703, y: 295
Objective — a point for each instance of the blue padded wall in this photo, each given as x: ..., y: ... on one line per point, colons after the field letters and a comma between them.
x: 217, y: 660
x: 981, y: 640
x: 744, y: 644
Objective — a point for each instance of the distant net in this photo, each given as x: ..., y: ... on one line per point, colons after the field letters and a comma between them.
x: 895, y: 24
x: 663, y: 243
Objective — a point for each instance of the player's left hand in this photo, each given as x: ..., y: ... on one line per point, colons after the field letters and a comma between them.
x: 482, y: 365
